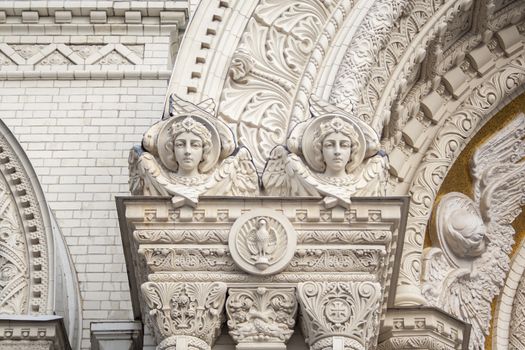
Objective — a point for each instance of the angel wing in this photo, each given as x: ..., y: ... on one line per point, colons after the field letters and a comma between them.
x: 272, y: 241
x: 179, y: 106
x: 284, y: 175
x: 503, y: 193
x: 148, y: 178
x: 372, y: 177
x: 144, y: 173
x: 505, y: 147
x: 468, y: 302
x: 236, y: 176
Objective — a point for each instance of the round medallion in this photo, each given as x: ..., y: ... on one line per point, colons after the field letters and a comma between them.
x: 262, y: 242
x: 337, y: 311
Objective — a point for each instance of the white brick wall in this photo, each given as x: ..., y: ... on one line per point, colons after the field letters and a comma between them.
x: 78, y: 145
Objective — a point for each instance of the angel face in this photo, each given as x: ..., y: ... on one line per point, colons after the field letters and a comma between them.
x: 188, y: 150
x: 333, y: 146
x: 191, y: 142
x: 337, y: 149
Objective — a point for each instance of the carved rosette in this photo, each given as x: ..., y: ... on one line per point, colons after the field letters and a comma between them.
x: 261, y: 315
x: 185, y: 312
x: 340, y: 314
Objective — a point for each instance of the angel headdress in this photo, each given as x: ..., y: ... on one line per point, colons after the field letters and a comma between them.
x: 332, y: 154
x: 474, y: 237
x: 191, y: 154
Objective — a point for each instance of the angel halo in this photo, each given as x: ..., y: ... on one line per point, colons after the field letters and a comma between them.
x: 190, y: 154
x: 332, y: 154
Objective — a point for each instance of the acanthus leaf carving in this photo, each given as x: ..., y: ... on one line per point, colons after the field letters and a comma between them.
x: 185, y: 309
x: 349, y: 310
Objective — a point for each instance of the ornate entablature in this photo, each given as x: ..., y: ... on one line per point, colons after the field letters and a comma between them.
x: 304, y: 241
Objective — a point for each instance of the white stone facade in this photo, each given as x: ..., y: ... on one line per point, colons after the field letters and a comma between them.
x: 82, y: 81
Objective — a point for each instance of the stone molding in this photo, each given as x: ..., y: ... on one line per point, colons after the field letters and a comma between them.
x: 25, y: 227
x: 76, y: 44
x: 422, y: 328
x: 167, y: 262
x: 33, y: 333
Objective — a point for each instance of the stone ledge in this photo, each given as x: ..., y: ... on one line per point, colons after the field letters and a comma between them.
x: 33, y: 332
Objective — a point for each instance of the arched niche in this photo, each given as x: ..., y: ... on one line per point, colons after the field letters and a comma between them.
x: 36, y: 275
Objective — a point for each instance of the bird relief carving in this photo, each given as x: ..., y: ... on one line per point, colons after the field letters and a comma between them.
x: 473, y: 237
x: 333, y: 154
x: 261, y: 242
x: 189, y: 154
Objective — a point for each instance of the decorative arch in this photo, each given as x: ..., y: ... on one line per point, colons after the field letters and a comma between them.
x: 26, y: 241
x: 414, y: 70
x: 36, y: 273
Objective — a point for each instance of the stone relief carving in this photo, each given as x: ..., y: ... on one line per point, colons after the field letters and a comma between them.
x: 261, y: 315
x: 349, y: 310
x: 262, y: 242
x: 474, y: 236
x: 13, y: 259
x: 446, y: 145
x: 75, y: 54
x: 193, y: 310
x: 276, y: 47
x: 24, y: 280
x: 331, y: 154
x: 191, y: 154
x: 517, y: 324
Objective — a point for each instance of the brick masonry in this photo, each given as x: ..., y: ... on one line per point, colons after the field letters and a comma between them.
x: 77, y: 100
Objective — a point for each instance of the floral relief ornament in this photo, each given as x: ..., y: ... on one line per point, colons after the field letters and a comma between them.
x: 332, y: 154
x: 191, y: 153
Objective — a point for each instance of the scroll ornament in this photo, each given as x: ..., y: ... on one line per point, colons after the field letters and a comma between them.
x: 332, y: 154
x: 189, y: 154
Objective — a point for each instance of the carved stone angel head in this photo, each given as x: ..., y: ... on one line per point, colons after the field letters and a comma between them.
x: 191, y: 153
x: 190, y: 141
x: 335, y: 145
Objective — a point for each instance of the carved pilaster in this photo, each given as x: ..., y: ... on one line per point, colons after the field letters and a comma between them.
x: 340, y: 315
x: 185, y: 315
x: 261, y: 316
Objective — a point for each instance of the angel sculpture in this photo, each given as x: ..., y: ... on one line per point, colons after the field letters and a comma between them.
x: 474, y: 237
x: 261, y: 242
x: 191, y: 154
x: 341, y: 156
